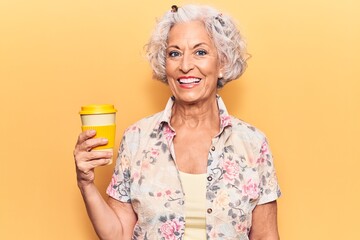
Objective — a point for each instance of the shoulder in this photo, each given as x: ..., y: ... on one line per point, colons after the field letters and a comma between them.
x: 246, y: 131
x: 144, y: 124
x: 246, y: 137
x: 143, y: 128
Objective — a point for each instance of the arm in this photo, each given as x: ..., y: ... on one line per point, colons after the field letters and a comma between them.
x: 264, y: 222
x: 112, y: 219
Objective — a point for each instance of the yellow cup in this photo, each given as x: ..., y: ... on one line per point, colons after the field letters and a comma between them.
x: 100, y: 117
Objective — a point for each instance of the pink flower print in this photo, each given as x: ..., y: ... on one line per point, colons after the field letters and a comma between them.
x: 111, y: 189
x: 168, y: 133
x: 251, y: 189
x: 168, y: 192
x: 170, y: 230
x: 225, y: 121
x: 154, y: 153
x: 264, y: 148
x: 159, y: 194
x: 263, y: 152
x: 136, y: 176
x: 261, y: 159
x: 241, y: 227
x: 231, y: 170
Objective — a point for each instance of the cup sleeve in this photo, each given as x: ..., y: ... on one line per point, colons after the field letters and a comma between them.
x: 119, y: 187
x: 269, y: 187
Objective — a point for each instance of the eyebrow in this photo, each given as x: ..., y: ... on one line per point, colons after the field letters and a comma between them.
x: 195, y: 46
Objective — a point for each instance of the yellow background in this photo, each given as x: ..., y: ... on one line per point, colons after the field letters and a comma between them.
x: 301, y: 88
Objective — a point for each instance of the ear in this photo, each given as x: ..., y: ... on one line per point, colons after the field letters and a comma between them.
x: 221, y: 71
x: 220, y: 75
x: 222, y: 67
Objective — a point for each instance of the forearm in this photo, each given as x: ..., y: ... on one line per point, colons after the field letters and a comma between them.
x: 264, y: 222
x: 104, y: 220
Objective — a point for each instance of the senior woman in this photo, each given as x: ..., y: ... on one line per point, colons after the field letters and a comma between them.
x: 191, y: 171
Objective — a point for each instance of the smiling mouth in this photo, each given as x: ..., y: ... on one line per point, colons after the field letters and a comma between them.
x: 189, y: 80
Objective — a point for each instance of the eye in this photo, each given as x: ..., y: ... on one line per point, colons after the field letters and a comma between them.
x: 174, y: 54
x: 201, y: 52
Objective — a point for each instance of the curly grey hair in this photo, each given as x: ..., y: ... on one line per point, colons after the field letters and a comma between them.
x: 221, y: 28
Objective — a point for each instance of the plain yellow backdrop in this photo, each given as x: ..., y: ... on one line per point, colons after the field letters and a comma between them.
x: 301, y: 88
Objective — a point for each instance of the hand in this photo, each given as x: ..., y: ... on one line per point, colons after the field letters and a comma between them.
x: 86, y: 160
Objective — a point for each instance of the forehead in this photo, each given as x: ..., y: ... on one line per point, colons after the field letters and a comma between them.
x: 193, y: 32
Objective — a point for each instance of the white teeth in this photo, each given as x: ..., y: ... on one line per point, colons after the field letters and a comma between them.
x: 189, y: 80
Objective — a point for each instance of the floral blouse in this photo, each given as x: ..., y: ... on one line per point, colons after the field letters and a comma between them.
x: 240, y: 175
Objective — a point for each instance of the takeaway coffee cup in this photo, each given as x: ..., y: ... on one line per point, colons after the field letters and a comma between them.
x: 100, y: 117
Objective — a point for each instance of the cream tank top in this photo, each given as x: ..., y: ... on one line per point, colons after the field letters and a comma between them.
x: 194, y: 186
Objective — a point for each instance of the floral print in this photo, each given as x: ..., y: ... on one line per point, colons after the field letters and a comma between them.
x: 172, y: 228
x: 232, y: 170
x: 251, y: 189
x: 240, y: 176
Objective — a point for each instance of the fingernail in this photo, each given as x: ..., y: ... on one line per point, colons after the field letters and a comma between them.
x: 92, y: 131
x: 104, y: 140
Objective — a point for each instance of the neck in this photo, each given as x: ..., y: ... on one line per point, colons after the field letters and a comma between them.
x: 195, y: 115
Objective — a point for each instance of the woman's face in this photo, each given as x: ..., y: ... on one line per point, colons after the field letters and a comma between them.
x: 192, y: 64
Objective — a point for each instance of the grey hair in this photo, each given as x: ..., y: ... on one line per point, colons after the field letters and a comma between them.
x: 221, y: 28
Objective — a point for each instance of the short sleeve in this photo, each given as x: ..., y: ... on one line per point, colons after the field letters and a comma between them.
x: 269, y: 187
x: 119, y: 187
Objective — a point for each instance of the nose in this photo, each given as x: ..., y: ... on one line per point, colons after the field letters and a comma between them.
x: 186, y: 63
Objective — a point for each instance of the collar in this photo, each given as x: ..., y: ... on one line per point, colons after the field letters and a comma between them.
x: 225, y: 118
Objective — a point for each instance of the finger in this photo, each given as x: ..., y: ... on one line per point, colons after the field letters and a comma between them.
x: 85, y: 136
x: 88, y: 166
x: 83, y: 156
x: 99, y: 162
x: 82, y: 146
x: 91, y: 143
x: 96, y: 155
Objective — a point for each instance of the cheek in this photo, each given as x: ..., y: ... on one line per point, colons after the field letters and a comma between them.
x: 169, y: 68
x: 209, y: 67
